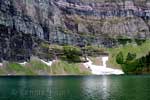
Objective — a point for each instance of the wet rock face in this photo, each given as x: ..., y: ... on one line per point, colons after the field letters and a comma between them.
x: 14, y: 46
x: 27, y: 16
x: 75, y: 22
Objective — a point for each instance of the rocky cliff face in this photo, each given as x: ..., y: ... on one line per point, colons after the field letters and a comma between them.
x: 77, y: 22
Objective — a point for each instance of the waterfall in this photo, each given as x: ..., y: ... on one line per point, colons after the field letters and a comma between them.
x: 48, y: 63
x: 1, y: 64
x: 104, y: 60
x: 102, y: 70
x: 23, y: 63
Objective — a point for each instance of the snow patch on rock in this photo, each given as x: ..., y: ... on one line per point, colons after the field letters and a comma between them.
x: 48, y: 63
x: 102, y: 70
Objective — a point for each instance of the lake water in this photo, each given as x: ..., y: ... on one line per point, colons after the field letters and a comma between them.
x: 76, y: 88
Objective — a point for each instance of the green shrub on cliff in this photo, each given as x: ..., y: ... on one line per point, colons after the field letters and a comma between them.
x: 93, y: 50
x: 133, y: 65
x: 44, y: 51
x: 139, y: 41
x: 130, y: 64
x: 140, y: 50
x: 119, y: 58
x: 72, y: 53
x: 131, y: 56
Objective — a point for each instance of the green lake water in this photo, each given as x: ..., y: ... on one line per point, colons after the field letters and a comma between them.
x: 124, y: 87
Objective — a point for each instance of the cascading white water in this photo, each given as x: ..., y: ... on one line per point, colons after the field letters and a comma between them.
x: 23, y: 63
x: 48, y: 63
x: 1, y: 64
x: 104, y: 60
x: 102, y: 70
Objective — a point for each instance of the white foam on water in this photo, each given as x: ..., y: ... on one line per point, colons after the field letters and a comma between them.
x: 102, y: 70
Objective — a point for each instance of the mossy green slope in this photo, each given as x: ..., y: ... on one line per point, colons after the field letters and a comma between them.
x: 36, y: 67
x: 140, y: 50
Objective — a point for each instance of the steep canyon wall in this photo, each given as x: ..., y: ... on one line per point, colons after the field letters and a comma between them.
x: 26, y: 23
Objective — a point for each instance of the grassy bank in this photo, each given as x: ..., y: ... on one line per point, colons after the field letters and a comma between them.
x: 71, y: 59
x: 36, y: 67
x: 64, y: 68
x: 140, y: 50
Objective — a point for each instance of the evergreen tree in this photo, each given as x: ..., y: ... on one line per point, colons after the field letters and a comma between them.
x: 119, y: 58
x: 131, y: 56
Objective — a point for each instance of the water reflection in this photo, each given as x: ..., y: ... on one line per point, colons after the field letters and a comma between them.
x: 75, y: 88
x: 96, y: 87
x: 105, y: 89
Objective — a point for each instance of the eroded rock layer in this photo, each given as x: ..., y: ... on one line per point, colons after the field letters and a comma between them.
x: 75, y: 22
